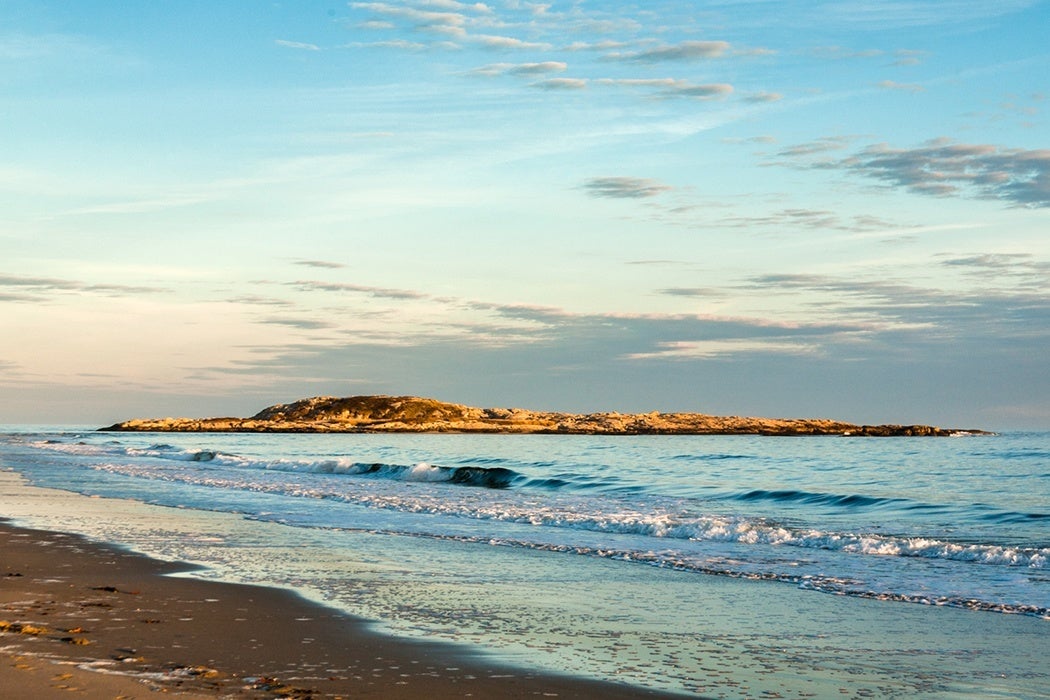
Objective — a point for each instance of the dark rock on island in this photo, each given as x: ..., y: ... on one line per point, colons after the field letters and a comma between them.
x: 412, y: 414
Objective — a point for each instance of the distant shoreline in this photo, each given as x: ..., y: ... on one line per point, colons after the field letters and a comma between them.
x: 413, y: 414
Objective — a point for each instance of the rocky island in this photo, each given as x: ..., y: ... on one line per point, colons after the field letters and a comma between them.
x: 413, y: 414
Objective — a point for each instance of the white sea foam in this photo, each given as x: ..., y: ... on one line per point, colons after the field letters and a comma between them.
x: 595, y: 515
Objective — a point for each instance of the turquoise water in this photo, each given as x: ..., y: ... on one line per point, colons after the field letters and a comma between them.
x: 666, y: 562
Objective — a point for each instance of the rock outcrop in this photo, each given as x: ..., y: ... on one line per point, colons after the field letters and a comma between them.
x: 412, y: 414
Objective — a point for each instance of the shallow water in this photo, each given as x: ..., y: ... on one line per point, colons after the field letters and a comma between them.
x: 690, y: 563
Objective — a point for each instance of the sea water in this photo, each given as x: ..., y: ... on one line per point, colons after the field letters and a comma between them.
x: 728, y: 566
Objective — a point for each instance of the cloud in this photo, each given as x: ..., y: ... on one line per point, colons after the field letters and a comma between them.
x: 708, y: 349
x: 340, y: 287
x: 1002, y: 318
x: 709, y: 91
x: 424, y: 20
x: 762, y: 138
x: 560, y: 84
x: 684, y: 51
x: 297, y: 45
x: 942, y: 167
x: 702, y: 292
x: 38, y: 286
x: 456, y: 20
x: 999, y: 267
x: 672, y: 87
x: 764, y: 97
x: 991, y: 261
x: 939, y: 167
x: 550, y: 346
x: 300, y: 323
x: 319, y: 263
x: 909, y: 57
x: 624, y: 187
x: 819, y: 146
x: 817, y: 219
x: 255, y: 300
x: 477, y: 7
x: 660, y: 263
x: 401, y: 44
x: 505, y: 42
x: 495, y: 69
x: 604, y: 45
x: 905, y: 87
x: 842, y: 330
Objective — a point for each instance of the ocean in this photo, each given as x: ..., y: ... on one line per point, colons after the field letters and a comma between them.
x: 721, y: 566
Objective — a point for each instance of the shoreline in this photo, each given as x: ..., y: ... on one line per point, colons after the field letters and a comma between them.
x: 86, y: 619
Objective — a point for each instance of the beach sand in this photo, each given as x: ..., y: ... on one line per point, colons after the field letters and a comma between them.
x: 84, y: 620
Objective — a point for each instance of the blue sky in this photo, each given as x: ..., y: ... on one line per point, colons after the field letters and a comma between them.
x: 820, y: 208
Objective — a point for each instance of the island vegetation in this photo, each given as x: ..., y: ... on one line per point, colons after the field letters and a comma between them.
x: 413, y: 414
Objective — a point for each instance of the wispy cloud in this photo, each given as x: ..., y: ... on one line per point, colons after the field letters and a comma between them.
x: 672, y: 87
x: 300, y: 323
x: 698, y: 292
x: 904, y: 87
x: 342, y: 287
x: 684, y: 51
x: 819, y: 146
x: 939, y: 167
x: 494, y: 41
x: 424, y: 20
x: 560, y: 84
x: 1005, y: 317
x: 297, y: 45
x: 41, y: 286
x: 1023, y: 268
x: 734, y: 348
x: 909, y: 57
x: 454, y: 20
x: 327, y: 264
x: 764, y: 97
x: 537, y: 68
x: 624, y: 187
x: 800, y: 218
x: 943, y: 167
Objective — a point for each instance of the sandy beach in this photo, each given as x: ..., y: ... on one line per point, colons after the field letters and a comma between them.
x: 83, y: 620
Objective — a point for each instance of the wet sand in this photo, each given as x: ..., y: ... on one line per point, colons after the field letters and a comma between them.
x: 84, y: 620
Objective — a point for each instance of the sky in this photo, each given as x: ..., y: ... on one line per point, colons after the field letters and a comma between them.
x: 822, y: 208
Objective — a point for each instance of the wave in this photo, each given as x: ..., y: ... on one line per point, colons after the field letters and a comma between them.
x: 593, y: 515
x: 487, y: 477
x: 816, y: 498
x: 859, y: 502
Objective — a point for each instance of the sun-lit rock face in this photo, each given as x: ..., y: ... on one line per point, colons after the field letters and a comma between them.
x: 327, y: 414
